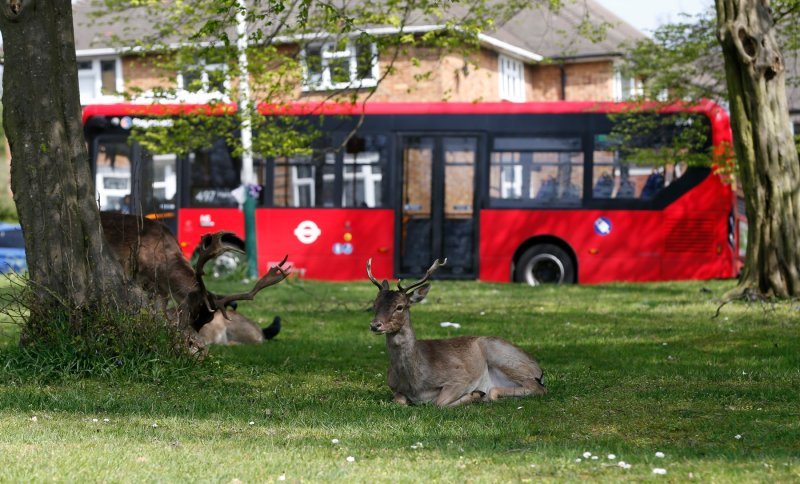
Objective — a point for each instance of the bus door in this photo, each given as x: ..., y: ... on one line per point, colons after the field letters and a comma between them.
x: 438, y: 217
x: 130, y: 180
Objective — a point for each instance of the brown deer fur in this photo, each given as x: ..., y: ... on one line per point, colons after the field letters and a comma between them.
x: 150, y: 253
x: 236, y: 330
x: 447, y: 372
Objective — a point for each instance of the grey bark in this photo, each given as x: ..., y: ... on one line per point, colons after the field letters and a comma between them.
x: 763, y: 141
x: 69, y: 263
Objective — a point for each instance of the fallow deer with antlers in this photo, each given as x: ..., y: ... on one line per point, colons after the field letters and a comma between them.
x: 149, y: 252
x: 447, y: 372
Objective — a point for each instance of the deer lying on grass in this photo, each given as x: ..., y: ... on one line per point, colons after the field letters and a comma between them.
x: 447, y: 372
x: 237, y: 330
x: 149, y: 252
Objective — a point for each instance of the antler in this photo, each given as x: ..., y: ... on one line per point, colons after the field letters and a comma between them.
x: 275, y: 275
x: 214, y: 245
x: 211, y: 246
x: 371, y: 277
x: 436, y: 265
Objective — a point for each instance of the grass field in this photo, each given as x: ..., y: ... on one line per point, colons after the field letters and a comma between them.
x: 632, y: 370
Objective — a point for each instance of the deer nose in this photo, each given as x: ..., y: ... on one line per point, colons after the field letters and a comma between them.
x: 375, y: 326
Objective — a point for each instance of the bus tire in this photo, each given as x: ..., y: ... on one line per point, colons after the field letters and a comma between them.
x: 545, y: 264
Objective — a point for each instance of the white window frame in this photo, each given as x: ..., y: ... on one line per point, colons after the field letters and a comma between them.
x: 95, y: 74
x: 328, y: 53
x: 626, y: 88
x: 362, y: 171
x: 511, y: 77
x: 205, y: 93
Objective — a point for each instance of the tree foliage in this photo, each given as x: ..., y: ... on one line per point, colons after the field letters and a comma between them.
x: 736, y: 54
x: 288, y: 42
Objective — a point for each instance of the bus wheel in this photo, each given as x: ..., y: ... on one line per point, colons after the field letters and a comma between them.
x: 545, y: 264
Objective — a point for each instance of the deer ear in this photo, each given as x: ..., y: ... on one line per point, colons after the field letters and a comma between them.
x: 419, y: 293
x: 385, y: 285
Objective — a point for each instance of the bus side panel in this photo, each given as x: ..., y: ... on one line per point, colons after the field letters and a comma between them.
x: 608, y: 245
x: 696, y: 244
x: 193, y: 223
x: 327, y: 244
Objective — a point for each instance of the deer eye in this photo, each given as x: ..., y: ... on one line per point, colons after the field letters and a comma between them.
x: 399, y: 308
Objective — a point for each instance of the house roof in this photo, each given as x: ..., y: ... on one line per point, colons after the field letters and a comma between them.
x: 531, y: 34
x: 556, y: 35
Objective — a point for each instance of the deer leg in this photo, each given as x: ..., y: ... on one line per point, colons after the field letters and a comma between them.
x: 451, y: 396
x: 497, y: 393
x: 401, y: 399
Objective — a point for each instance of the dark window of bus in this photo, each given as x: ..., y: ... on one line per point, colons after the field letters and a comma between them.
x: 304, y: 180
x: 214, y: 173
x: 364, y: 165
x: 113, y: 175
x: 537, y: 171
x: 616, y: 176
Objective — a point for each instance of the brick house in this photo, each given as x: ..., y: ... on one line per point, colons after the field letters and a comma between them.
x: 537, y: 56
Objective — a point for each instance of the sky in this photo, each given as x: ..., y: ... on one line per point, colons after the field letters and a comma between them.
x: 646, y: 15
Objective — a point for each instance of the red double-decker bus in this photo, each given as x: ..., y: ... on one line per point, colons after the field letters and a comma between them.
x: 528, y: 192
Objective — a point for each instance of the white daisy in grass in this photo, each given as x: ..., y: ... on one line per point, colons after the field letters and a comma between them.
x: 659, y: 471
x: 738, y: 437
x: 611, y: 457
x: 34, y: 418
x: 350, y: 458
x: 623, y: 464
x: 660, y: 455
x: 578, y: 459
x: 586, y: 455
x: 282, y: 477
x: 334, y: 441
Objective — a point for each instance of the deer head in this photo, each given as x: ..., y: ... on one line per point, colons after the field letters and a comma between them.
x: 392, y: 306
x: 214, y: 245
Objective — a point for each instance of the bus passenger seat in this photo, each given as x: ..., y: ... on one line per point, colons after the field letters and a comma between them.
x: 654, y: 184
x: 603, y: 187
x: 626, y: 189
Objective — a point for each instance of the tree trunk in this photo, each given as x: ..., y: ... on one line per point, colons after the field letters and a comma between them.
x: 69, y: 263
x: 765, y: 151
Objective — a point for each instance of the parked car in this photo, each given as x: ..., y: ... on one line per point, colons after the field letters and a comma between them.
x: 12, y: 248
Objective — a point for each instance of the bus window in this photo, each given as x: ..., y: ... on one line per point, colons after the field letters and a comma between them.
x: 214, y: 173
x: 613, y: 177
x: 304, y: 180
x: 364, y: 163
x: 537, y: 171
x: 159, y: 184
x: 113, y: 175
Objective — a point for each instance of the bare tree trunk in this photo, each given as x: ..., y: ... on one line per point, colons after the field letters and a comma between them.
x: 68, y: 260
x: 765, y: 149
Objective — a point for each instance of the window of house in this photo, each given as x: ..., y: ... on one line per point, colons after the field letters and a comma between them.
x: 536, y: 171
x: 204, y: 79
x: 626, y: 88
x: 512, y: 79
x: 340, y: 65
x: 98, y: 79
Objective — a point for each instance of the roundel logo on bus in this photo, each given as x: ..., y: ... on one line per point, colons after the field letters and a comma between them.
x: 602, y: 226
x: 307, y: 232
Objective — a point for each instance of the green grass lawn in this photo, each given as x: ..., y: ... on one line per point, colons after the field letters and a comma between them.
x: 632, y: 370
